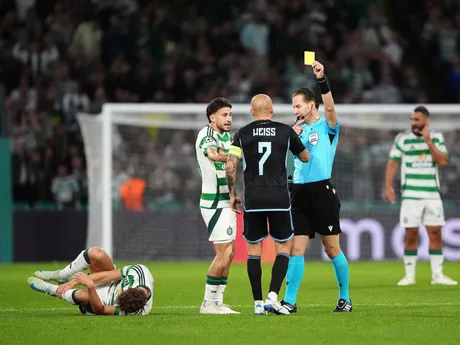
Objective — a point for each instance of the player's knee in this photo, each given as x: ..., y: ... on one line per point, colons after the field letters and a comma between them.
x: 434, y: 233
x: 96, y: 254
x: 411, y: 236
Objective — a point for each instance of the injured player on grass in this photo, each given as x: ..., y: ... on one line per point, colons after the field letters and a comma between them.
x: 127, y: 291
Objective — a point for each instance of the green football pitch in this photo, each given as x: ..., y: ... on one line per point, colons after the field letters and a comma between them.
x: 382, y: 312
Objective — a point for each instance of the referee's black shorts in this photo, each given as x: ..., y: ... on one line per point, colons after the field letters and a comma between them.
x: 258, y: 225
x: 315, y: 209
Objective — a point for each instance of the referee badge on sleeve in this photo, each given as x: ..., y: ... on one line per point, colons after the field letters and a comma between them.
x: 313, y: 138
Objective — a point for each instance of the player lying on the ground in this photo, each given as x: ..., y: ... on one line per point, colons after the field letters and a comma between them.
x: 109, y: 291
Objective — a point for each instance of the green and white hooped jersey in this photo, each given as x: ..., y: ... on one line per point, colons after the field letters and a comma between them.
x: 133, y: 276
x: 419, y: 173
x: 214, y: 189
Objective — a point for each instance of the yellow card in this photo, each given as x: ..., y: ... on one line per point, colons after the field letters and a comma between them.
x: 308, y: 58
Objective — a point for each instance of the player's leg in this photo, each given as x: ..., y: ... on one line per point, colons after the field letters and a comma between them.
x: 221, y: 225
x: 94, y: 258
x: 410, y: 218
x: 72, y: 296
x: 281, y: 230
x: 255, y: 231
x: 433, y: 218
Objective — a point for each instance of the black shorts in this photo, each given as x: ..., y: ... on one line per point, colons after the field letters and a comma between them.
x: 258, y: 225
x: 315, y: 209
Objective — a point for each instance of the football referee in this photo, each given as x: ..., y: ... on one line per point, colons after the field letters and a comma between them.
x: 315, y: 204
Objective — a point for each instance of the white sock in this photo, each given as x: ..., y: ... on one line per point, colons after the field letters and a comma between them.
x: 436, y: 261
x: 273, y: 296
x: 410, y: 262
x: 210, y: 293
x: 220, y: 294
x: 79, y: 264
x: 67, y: 296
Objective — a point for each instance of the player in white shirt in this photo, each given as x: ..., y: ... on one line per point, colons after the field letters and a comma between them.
x: 109, y: 291
x: 212, y: 146
x: 420, y: 151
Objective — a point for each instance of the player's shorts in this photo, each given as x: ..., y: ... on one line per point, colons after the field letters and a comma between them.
x: 428, y: 212
x: 221, y: 223
x: 258, y: 225
x: 315, y: 209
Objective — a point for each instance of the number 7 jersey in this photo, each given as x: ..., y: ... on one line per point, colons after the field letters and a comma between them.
x: 263, y: 146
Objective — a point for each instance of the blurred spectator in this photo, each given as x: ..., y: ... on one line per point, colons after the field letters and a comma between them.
x: 65, y: 188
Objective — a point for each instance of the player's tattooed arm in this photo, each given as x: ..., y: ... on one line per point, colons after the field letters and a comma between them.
x: 230, y: 173
x: 217, y: 155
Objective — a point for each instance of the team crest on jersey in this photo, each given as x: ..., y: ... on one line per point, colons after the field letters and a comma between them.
x: 229, y: 231
x: 313, y: 138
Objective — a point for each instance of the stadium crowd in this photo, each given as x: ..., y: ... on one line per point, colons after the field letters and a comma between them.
x: 58, y: 58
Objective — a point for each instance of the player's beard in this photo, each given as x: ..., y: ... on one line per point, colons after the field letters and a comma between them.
x: 417, y: 129
x: 223, y: 129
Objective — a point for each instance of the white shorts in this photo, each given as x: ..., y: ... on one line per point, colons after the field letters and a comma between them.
x: 221, y: 224
x: 428, y: 212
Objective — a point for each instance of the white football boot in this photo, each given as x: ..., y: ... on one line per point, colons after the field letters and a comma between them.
x: 275, y: 307
x: 406, y: 281
x: 442, y: 280
x: 42, y: 286
x: 259, y: 308
x: 50, y: 275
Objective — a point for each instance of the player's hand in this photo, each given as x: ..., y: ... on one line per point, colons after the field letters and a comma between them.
x: 222, y: 155
x: 65, y: 287
x: 84, y: 279
x: 390, y: 195
x: 425, y: 133
x: 318, y: 69
x: 235, y: 203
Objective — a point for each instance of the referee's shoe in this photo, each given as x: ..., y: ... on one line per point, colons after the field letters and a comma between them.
x: 292, y: 308
x: 343, y: 306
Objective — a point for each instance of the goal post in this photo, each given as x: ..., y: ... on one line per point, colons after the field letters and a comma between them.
x: 122, y: 130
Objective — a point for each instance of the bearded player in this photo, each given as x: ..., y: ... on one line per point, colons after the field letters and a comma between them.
x: 421, y: 151
x: 212, y: 146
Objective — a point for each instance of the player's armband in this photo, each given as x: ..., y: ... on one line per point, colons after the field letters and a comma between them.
x: 236, y: 151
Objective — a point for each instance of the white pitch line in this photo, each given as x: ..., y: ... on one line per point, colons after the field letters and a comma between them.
x: 5, y: 310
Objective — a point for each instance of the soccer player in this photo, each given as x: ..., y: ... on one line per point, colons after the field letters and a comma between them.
x: 263, y: 146
x: 420, y: 151
x: 109, y: 291
x: 315, y: 204
x: 212, y: 146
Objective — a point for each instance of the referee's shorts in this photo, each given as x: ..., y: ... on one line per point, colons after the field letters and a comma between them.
x: 315, y: 209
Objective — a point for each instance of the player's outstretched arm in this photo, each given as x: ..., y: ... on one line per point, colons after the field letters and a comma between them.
x: 94, y: 300
x: 326, y: 94
x: 390, y: 173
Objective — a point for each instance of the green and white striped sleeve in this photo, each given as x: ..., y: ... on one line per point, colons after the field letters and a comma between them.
x: 396, y: 151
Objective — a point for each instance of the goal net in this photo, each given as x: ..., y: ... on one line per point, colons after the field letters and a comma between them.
x: 144, y: 183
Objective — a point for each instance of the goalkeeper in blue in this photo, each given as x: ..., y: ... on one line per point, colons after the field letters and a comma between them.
x: 314, y: 199
x: 109, y: 291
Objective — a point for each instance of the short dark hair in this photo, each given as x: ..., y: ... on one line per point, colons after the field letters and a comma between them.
x: 423, y: 110
x: 308, y: 95
x: 215, y: 105
x: 132, y: 300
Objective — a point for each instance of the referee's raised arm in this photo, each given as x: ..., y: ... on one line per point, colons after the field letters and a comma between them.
x: 326, y: 94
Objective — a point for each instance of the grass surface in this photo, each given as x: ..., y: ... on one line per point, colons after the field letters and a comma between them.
x: 382, y: 312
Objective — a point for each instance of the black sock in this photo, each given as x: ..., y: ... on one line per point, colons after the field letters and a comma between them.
x: 255, y: 276
x: 279, y: 271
